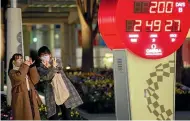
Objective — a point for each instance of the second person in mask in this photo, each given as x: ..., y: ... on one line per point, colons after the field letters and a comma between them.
x: 47, y: 68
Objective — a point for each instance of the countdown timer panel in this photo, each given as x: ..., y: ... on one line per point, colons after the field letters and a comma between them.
x: 152, y: 29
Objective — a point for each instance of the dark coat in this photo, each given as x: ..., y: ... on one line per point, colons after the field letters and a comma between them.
x: 46, y: 75
x: 21, y: 103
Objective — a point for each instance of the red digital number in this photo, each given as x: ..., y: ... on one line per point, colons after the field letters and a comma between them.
x: 149, y: 26
x: 153, y: 25
x: 153, y: 7
x: 168, y: 26
x: 138, y: 24
x: 173, y: 25
x: 157, y: 25
x: 161, y: 7
x: 169, y: 7
x: 178, y: 25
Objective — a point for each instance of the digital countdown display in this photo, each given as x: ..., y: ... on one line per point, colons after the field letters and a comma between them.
x: 153, y: 26
x: 159, y: 7
x: 152, y: 29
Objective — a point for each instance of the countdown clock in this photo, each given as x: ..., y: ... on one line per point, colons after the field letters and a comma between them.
x: 107, y: 24
x: 152, y: 29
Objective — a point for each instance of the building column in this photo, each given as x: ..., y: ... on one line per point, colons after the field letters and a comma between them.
x: 72, y: 43
x: 2, y: 47
x: 68, y: 45
x: 2, y: 35
x: 26, y: 39
x: 14, y: 39
x: 64, y: 44
x: 52, y: 39
x: 39, y: 35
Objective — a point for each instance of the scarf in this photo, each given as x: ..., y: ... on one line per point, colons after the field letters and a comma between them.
x: 27, y: 82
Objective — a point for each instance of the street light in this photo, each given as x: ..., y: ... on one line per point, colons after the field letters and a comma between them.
x: 35, y: 39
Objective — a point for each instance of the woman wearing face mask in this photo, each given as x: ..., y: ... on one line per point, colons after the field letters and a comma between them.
x: 25, y: 100
x: 47, y: 69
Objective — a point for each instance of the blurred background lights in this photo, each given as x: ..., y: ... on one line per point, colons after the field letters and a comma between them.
x: 35, y: 39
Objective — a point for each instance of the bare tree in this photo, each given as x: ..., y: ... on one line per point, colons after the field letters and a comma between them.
x: 86, y: 11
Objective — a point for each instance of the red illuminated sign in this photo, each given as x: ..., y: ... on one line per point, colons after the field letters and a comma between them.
x: 151, y: 29
x: 107, y: 24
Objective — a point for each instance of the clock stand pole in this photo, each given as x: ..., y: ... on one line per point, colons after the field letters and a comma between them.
x: 144, y: 89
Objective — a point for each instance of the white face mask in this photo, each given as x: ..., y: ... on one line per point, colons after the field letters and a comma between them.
x: 45, y: 58
x: 18, y: 63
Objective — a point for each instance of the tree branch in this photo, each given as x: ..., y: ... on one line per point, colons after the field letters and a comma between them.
x: 88, y: 10
x: 92, y: 7
x: 79, y: 4
x: 80, y: 14
x: 85, y: 5
x: 95, y: 32
x: 95, y: 8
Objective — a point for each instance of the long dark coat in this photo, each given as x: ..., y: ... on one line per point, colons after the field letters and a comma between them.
x: 21, y: 104
x: 46, y: 75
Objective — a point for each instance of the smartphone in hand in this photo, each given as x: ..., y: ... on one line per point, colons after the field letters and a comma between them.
x: 27, y: 58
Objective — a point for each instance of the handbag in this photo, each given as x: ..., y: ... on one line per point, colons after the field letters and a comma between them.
x: 61, y: 93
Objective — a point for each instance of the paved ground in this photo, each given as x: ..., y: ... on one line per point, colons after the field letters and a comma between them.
x: 181, y: 115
